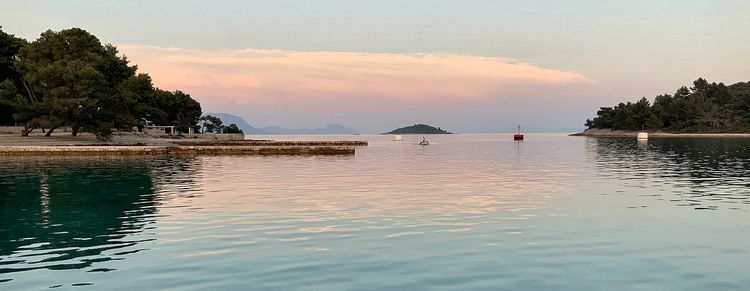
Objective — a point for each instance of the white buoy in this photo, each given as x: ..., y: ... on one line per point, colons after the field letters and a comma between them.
x: 643, y: 136
x: 398, y: 138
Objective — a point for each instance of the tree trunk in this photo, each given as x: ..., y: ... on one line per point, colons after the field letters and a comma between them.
x: 29, y: 93
x: 75, y: 131
x: 50, y: 131
x: 26, y: 130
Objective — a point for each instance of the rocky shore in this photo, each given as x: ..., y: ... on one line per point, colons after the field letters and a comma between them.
x: 595, y: 132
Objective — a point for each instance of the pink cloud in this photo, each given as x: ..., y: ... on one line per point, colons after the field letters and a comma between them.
x: 277, y: 77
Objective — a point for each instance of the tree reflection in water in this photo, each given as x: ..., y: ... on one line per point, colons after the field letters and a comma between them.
x: 702, y: 172
x: 70, y: 213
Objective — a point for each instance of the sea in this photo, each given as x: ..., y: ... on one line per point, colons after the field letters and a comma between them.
x: 467, y: 212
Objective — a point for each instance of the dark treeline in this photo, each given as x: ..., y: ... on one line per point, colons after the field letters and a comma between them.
x: 704, y: 107
x: 68, y: 78
x: 213, y: 124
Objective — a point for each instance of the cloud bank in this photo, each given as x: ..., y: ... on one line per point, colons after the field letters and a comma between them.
x: 366, y: 91
x: 273, y: 76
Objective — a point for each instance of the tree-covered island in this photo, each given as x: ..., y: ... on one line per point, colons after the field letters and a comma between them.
x: 70, y: 79
x: 703, y: 108
x: 419, y: 129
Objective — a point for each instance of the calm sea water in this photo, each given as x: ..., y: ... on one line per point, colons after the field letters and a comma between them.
x: 467, y: 212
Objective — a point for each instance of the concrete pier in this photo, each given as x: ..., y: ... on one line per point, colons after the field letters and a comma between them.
x: 82, y: 150
x: 261, y: 150
x: 176, y: 150
x: 340, y: 143
x: 16, y: 145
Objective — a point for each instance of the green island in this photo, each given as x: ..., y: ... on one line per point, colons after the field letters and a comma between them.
x: 94, y: 100
x: 704, y: 108
x: 419, y: 129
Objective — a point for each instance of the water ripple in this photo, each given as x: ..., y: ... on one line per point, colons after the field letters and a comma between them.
x: 469, y: 212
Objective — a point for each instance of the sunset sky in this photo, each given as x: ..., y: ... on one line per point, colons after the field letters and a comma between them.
x: 466, y: 66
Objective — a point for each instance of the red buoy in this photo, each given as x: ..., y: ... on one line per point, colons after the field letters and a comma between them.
x: 519, y: 135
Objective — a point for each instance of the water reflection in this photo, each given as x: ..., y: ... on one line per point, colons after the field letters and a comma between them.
x: 703, y: 173
x: 387, y: 192
x: 467, y: 212
x: 71, y: 213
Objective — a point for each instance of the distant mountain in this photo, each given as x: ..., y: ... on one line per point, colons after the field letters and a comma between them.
x: 228, y: 119
x: 329, y: 129
x: 419, y: 129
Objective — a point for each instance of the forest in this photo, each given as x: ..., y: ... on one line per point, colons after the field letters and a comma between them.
x: 70, y: 79
x: 703, y: 107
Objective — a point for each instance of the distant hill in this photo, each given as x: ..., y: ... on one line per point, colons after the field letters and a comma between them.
x: 419, y: 129
x: 228, y: 119
x: 249, y: 129
x: 340, y: 129
x: 329, y: 129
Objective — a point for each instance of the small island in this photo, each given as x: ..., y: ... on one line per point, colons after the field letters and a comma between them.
x: 703, y: 109
x: 419, y: 129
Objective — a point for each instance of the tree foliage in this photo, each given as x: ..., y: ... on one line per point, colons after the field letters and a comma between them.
x: 68, y: 78
x: 212, y: 124
x: 704, y: 107
x: 9, y: 49
x: 173, y: 108
x: 233, y: 128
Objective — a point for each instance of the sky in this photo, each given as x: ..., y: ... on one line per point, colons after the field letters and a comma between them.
x: 465, y: 66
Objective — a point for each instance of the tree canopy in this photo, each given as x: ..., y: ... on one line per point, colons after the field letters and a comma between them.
x: 9, y: 49
x: 213, y: 124
x: 233, y: 128
x: 704, y: 107
x: 68, y: 78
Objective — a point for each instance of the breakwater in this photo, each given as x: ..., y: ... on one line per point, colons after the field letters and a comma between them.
x: 263, y: 148
x: 124, y: 144
x: 339, y: 143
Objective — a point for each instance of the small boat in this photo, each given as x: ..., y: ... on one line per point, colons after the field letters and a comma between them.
x: 424, y: 142
x: 519, y: 135
x: 398, y: 138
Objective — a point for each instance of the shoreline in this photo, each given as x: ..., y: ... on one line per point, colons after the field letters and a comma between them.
x: 131, y: 145
x: 176, y: 150
x: 655, y: 133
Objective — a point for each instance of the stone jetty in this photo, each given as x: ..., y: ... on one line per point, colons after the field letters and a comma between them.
x: 65, y: 145
x: 177, y: 150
